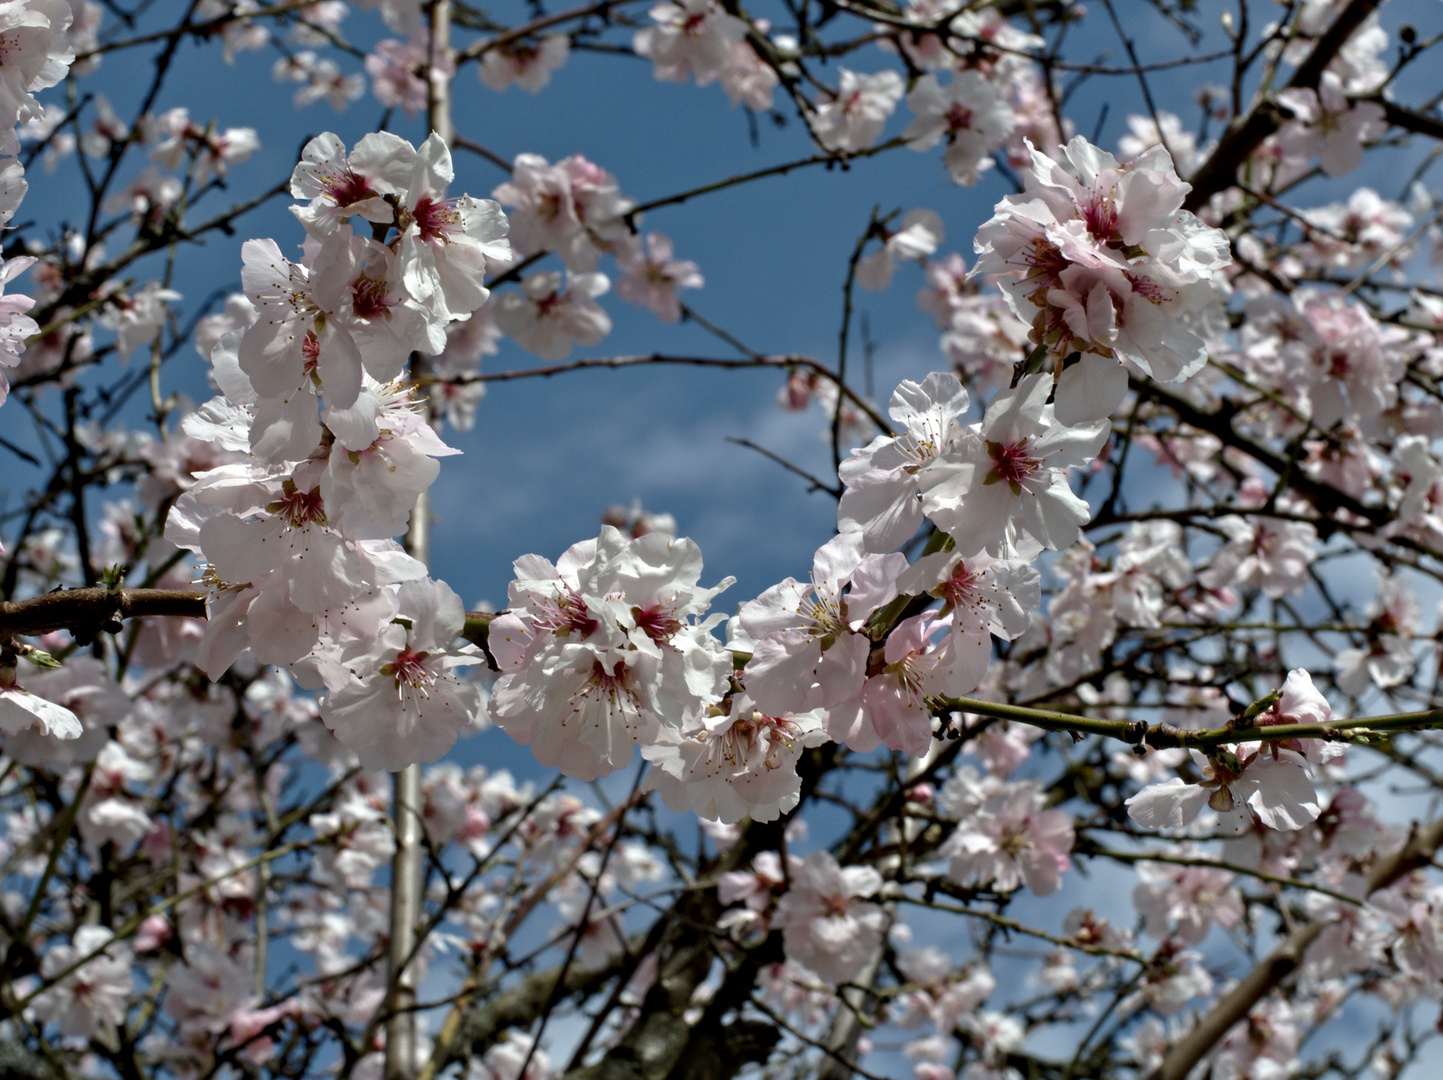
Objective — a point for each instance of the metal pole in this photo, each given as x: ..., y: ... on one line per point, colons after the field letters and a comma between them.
x: 406, y: 797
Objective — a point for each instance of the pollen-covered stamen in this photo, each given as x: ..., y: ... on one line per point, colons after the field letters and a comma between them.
x: 344, y: 187
x: 369, y: 299
x: 211, y: 579
x: 568, y: 613
x: 1044, y: 263
x: 616, y: 689
x: 656, y: 622
x: 919, y: 450
x: 1150, y: 290
x: 821, y: 610
x: 1012, y: 464
x: 908, y: 676
x: 740, y: 740
x: 298, y: 508
x: 413, y: 677
x: 436, y: 218
x: 964, y: 588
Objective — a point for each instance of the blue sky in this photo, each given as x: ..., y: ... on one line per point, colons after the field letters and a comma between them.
x: 547, y: 456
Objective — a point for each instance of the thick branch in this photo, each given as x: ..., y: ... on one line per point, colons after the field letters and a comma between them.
x: 524, y: 1004
x: 89, y: 610
x: 1284, y: 960
x: 1416, y: 122
x: 1247, y: 133
x: 1164, y: 736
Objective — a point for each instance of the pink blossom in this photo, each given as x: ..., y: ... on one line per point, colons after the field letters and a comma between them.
x: 918, y: 237
x: 740, y: 764
x: 407, y: 702
x: 852, y: 117
x: 1102, y: 260
x: 826, y: 925
x: 528, y: 64
x: 1007, y: 481
x: 448, y: 245
x: 96, y: 991
x: 339, y: 185
x: 881, y: 500
x: 393, y: 65
x: 967, y: 113
x: 809, y: 653
x: 1012, y: 841
x: 1273, y: 788
x: 689, y: 37
x: 1328, y: 125
x: 546, y: 319
x: 651, y: 276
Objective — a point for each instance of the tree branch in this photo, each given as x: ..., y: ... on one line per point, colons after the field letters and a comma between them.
x: 91, y: 610
x: 1284, y: 960
x: 1247, y: 133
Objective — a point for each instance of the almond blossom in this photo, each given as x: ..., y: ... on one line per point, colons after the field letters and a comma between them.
x: 1273, y: 788
x: 546, y: 319
x: 1389, y: 657
x: 809, y: 652
x: 447, y: 245
x: 574, y: 207
x: 881, y: 499
x: 920, y: 235
x: 1267, y: 553
x: 826, y: 924
x: 15, y: 325
x: 1010, y: 841
x: 1184, y: 902
x: 1329, y: 126
x: 340, y: 185
x: 602, y: 649
x: 37, y: 55
x: 982, y: 597
x: 917, y: 672
x: 98, y: 990
x: 1101, y: 260
x: 527, y: 64
x: 652, y: 275
x: 405, y: 701
x: 20, y: 709
x: 690, y: 37
x: 967, y: 113
x: 852, y: 117
x: 739, y: 764
x: 392, y: 66
x: 1006, y: 482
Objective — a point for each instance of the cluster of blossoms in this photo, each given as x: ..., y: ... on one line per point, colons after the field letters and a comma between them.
x: 962, y: 565
x: 586, y: 645
x: 602, y: 649
x: 297, y: 535
x: 575, y: 208
x: 1102, y: 261
x: 38, y: 53
x: 162, y: 757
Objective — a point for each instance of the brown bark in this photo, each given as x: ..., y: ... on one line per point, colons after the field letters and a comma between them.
x: 1284, y: 960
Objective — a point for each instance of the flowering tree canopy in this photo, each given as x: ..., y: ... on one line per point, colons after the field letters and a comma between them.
x: 1132, y: 588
